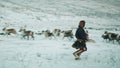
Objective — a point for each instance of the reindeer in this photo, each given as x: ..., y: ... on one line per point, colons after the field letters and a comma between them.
x: 48, y: 34
x: 56, y: 32
x: 111, y: 36
x: 27, y: 33
x: 9, y: 31
x: 68, y: 34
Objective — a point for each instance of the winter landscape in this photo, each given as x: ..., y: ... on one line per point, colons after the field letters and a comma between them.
x: 56, y: 52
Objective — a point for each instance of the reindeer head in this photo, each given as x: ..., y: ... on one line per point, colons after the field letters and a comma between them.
x: 4, y: 29
x: 22, y: 30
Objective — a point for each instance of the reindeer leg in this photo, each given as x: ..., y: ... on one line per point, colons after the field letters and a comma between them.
x: 27, y: 37
x: 118, y: 42
x: 63, y: 37
x: 23, y: 37
x: 32, y: 37
x: 54, y: 36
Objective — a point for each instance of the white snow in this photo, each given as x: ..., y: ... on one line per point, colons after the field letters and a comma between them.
x: 38, y: 15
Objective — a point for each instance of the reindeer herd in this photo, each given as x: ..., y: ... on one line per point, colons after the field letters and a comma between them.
x: 111, y: 37
x: 28, y: 34
x: 57, y: 33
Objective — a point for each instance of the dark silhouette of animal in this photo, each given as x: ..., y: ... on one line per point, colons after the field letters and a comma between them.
x: 27, y: 34
x: 9, y: 31
x: 111, y: 36
x: 105, y: 35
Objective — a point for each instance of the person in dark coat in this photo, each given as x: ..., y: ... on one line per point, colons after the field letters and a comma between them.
x: 80, y: 43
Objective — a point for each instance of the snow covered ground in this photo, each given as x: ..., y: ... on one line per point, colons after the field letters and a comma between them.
x: 56, y: 53
x: 38, y: 15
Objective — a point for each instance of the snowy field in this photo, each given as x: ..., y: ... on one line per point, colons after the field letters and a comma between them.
x: 38, y: 15
x: 56, y: 53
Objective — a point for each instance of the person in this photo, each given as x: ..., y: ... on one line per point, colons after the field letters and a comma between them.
x: 80, y: 43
